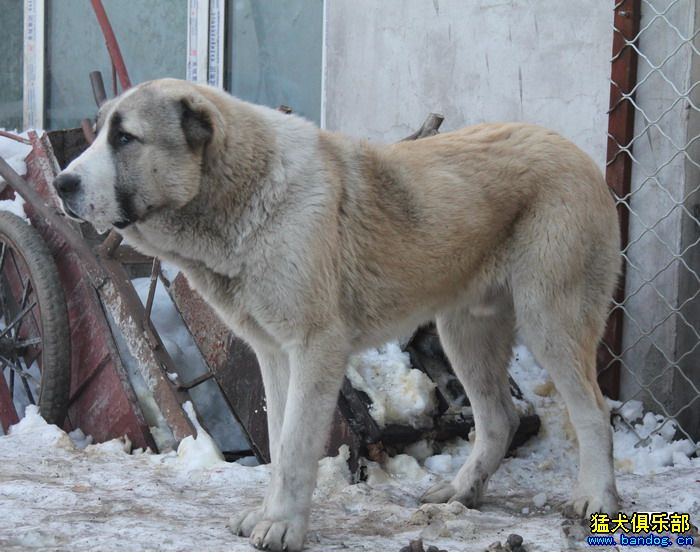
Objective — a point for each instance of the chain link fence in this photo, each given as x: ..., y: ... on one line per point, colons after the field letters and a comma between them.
x: 654, y: 168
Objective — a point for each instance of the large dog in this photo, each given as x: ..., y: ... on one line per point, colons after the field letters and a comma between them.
x: 312, y: 246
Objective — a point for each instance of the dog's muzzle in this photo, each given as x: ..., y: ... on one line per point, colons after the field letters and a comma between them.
x: 68, y: 186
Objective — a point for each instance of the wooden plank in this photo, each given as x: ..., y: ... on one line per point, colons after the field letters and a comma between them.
x: 619, y: 172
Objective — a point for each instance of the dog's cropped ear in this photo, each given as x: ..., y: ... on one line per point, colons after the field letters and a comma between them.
x: 197, y: 120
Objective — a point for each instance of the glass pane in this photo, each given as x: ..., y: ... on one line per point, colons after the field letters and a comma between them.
x: 11, y: 67
x: 274, y: 53
x: 152, y: 35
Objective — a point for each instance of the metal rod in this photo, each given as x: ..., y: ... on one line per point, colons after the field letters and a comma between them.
x: 115, y: 89
x: 15, y: 137
x: 195, y: 382
x: 19, y: 317
x: 98, y: 88
x: 86, y: 126
x: 112, y: 44
x: 109, y: 246
x: 155, y: 270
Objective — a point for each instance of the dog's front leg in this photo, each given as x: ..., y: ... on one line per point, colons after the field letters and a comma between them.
x: 274, y: 368
x: 316, y: 374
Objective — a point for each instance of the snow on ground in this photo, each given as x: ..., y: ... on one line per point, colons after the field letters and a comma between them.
x: 56, y: 495
x: 14, y: 153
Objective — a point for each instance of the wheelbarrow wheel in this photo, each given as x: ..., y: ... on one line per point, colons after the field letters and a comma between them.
x: 34, y: 331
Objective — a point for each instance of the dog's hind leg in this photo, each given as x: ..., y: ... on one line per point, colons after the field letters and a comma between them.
x: 478, y: 343
x: 564, y: 343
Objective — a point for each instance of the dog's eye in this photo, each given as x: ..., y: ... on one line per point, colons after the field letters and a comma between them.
x: 125, y: 138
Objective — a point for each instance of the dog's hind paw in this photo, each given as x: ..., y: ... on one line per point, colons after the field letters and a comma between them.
x: 282, y: 535
x: 438, y: 493
x: 582, y: 506
x: 451, y: 492
x: 243, y: 523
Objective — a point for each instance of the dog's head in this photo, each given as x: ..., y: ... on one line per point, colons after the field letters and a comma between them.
x: 147, y: 156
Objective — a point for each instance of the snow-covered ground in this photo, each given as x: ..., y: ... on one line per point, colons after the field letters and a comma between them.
x: 56, y: 496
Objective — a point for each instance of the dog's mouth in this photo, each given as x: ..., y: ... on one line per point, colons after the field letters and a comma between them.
x: 121, y: 224
x: 70, y: 213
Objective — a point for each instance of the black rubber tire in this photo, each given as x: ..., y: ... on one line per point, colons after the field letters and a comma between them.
x: 54, y: 387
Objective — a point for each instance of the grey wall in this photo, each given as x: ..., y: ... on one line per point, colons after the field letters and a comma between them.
x: 11, y: 67
x: 152, y: 35
x: 274, y: 53
x: 390, y: 63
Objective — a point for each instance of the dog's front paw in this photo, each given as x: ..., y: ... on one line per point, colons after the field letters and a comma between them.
x: 583, y: 505
x: 243, y: 523
x: 284, y: 534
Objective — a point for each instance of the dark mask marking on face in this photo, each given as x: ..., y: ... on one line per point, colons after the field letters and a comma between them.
x: 125, y: 201
x: 115, y: 129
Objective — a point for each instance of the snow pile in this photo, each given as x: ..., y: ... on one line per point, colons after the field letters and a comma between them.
x: 399, y: 393
x: 333, y: 473
x: 115, y: 446
x: 403, y: 466
x: 80, y: 440
x: 34, y: 427
x: 657, y: 450
x: 440, y: 463
x: 644, y: 442
x: 198, y: 452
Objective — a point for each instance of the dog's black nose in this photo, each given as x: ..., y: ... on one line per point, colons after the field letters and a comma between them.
x: 66, y: 184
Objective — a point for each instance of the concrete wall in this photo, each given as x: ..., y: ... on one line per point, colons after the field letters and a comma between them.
x: 390, y: 63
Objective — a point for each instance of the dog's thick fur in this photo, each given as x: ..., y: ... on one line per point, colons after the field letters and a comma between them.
x: 312, y: 246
